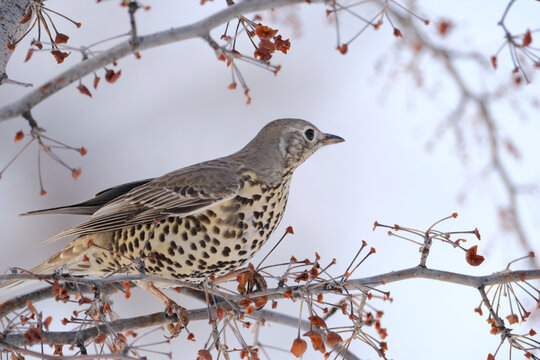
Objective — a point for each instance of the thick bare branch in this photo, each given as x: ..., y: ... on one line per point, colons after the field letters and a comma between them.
x: 451, y: 277
x: 40, y: 355
x: 417, y: 272
x: 42, y: 294
x: 159, y: 318
x: 70, y: 337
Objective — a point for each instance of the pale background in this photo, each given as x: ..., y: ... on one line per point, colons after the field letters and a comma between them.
x: 172, y: 108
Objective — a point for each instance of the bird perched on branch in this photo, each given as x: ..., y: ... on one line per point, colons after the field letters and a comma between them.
x: 205, y: 219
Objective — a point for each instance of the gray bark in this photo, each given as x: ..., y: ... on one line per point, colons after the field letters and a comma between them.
x: 11, y: 30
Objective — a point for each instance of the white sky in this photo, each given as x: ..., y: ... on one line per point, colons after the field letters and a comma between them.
x: 172, y: 108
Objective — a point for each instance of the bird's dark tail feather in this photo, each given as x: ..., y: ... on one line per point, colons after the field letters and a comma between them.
x: 91, y: 206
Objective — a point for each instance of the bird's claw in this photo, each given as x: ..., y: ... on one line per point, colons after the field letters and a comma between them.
x: 251, y: 281
x: 181, y: 315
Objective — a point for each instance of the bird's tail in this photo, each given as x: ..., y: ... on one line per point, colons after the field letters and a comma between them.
x: 71, y: 258
x: 45, y: 268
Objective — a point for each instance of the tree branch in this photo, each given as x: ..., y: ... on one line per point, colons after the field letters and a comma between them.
x: 197, y: 29
x: 451, y: 277
x: 42, y: 356
x: 159, y: 318
x: 43, y: 294
x: 417, y: 272
x: 70, y: 337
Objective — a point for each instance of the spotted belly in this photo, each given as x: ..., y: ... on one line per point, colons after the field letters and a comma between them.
x: 213, y: 242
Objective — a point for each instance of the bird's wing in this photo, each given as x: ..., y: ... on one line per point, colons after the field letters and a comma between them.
x: 89, y: 207
x: 179, y: 193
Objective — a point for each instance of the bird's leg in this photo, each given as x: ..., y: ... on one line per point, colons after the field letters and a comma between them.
x: 248, y: 279
x: 256, y: 280
x: 172, y: 308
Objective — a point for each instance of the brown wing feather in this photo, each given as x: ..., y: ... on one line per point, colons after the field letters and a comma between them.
x: 179, y: 193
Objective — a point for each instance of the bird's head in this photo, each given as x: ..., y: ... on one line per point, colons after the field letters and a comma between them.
x: 294, y: 139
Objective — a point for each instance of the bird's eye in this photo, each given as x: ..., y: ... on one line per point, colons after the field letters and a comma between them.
x: 310, y: 134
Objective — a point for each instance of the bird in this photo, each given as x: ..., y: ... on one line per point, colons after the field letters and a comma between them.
x: 203, y: 220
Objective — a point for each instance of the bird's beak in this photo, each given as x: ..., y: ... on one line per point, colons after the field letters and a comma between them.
x: 330, y: 139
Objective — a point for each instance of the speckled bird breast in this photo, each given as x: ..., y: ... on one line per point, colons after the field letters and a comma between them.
x: 214, y: 241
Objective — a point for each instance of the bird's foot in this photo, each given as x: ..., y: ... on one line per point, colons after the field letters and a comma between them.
x: 257, y: 282
x: 250, y: 281
x: 172, y: 308
x: 181, y: 316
